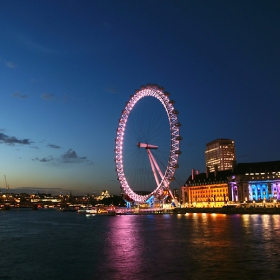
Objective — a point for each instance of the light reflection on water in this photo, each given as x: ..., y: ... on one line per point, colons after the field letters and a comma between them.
x: 53, y: 245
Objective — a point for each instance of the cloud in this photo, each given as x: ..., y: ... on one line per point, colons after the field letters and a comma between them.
x: 13, y: 140
x: 44, y: 159
x: 17, y: 94
x: 71, y: 157
x: 34, y: 147
x: 53, y: 146
x: 48, y: 96
x: 11, y: 65
x: 52, y: 97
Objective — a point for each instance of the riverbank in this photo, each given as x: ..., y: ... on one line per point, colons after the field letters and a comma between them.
x: 218, y: 210
x: 229, y: 210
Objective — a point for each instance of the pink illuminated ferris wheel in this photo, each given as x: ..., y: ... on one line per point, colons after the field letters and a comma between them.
x: 147, y: 145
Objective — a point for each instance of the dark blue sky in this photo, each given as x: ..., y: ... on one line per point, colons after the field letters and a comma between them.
x: 67, y: 68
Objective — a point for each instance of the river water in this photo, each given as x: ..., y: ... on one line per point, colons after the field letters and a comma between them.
x: 47, y: 244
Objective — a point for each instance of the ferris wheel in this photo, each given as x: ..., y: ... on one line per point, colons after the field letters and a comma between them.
x: 149, y: 149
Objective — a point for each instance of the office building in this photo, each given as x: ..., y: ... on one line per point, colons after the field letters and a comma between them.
x: 220, y: 155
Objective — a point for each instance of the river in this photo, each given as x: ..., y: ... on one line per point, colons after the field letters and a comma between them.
x: 48, y: 244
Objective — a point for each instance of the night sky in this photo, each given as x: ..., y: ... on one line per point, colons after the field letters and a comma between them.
x: 67, y: 69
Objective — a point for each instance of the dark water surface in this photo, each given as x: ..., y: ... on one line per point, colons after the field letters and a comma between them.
x: 47, y: 244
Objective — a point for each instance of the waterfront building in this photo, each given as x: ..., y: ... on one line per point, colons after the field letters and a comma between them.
x: 255, y: 182
x: 209, y: 189
x: 220, y: 154
x: 247, y: 182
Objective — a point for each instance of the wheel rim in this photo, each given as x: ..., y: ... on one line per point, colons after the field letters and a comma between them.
x: 158, y: 93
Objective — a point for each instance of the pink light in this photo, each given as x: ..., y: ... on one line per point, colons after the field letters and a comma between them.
x: 157, y: 92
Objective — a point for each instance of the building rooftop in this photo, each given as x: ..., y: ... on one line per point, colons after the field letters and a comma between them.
x: 239, y: 169
x: 212, y: 177
x: 219, y: 140
x: 257, y: 167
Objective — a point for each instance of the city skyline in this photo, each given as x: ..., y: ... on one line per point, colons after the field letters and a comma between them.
x: 68, y: 68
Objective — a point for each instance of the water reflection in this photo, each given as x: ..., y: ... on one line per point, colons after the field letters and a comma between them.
x: 193, y: 246
x: 262, y: 233
x: 230, y: 243
x: 124, y: 248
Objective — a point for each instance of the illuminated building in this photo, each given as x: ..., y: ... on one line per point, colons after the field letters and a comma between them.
x: 247, y: 182
x: 254, y: 182
x: 220, y: 154
x: 206, y: 189
x: 104, y: 194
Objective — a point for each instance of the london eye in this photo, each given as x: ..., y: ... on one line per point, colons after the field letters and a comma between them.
x: 147, y: 145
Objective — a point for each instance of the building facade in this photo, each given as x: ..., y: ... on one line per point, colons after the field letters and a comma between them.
x: 255, y: 182
x: 220, y: 155
x: 247, y: 182
x: 206, y: 189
